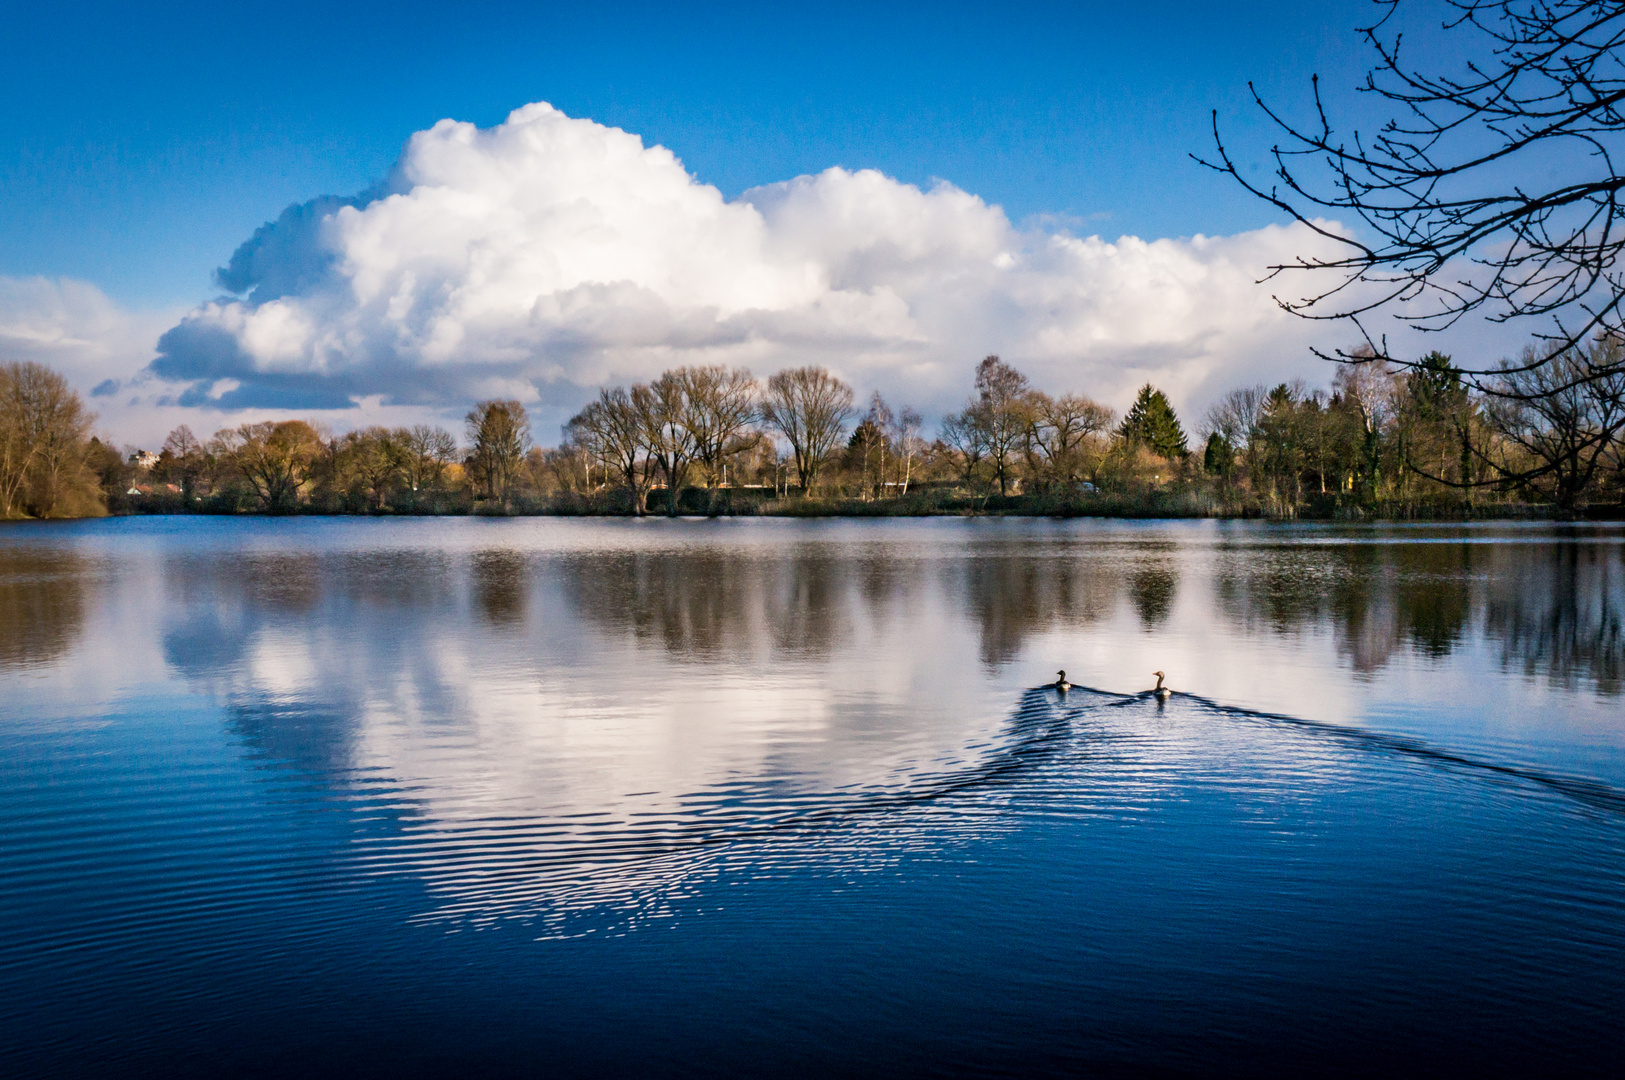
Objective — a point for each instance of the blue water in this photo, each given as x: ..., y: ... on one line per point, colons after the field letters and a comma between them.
x: 540, y: 797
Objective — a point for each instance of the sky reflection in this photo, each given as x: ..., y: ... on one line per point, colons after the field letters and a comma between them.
x: 615, y: 669
x: 807, y: 754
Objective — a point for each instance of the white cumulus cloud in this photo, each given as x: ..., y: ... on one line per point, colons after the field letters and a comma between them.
x: 103, y: 349
x: 548, y: 255
x: 74, y: 327
x: 99, y: 346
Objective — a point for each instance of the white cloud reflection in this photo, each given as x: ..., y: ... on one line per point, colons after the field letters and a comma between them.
x: 551, y: 716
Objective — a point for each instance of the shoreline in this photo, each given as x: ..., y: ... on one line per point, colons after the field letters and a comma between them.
x: 993, y: 506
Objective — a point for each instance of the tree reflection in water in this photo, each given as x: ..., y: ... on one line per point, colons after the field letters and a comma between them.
x: 707, y: 604
x: 1152, y: 588
x: 803, y: 600
x: 1014, y: 595
x: 44, y: 594
x: 1549, y: 601
x: 1553, y: 608
x: 616, y: 678
x: 501, y: 582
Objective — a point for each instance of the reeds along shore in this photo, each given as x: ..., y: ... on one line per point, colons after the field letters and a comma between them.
x: 1382, y: 443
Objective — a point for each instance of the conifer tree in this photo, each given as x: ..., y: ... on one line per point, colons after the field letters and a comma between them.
x: 1151, y: 423
x: 1218, y: 457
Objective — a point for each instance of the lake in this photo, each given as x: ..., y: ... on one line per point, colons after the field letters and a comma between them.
x: 600, y: 797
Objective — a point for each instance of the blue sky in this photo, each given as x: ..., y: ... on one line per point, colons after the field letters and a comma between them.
x: 890, y: 190
x: 139, y: 144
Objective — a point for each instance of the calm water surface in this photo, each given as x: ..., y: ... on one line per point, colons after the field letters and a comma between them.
x: 574, y: 798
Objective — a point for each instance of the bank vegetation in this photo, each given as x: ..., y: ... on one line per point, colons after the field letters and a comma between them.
x: 1383, y: 441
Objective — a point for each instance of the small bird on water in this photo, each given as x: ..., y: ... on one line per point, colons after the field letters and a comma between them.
x: 1161, y: 693
x: 1061, y: 684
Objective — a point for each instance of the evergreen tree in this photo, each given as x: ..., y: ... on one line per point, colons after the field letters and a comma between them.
x: 1151, y: 423
x: 1218, y: 457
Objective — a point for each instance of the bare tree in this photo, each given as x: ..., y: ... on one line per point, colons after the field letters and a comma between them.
x: 872, y: 435
x: 1491, y: 191
x: 907, y: 444
x: 1061, y: 430
x: 500, y: 434
x: 1563, y: 424
x: 1370, y: 387
x: 568, y: 467
x: 426, y: 451
x: 1005, y: 401
x: 1235, y: 417
x: 275, y: 458
x: 810, y: 408
x: 722, y: 407
x: 187, y: 459
x: 612, y: 430
x: 44, y: 436
x: 17, y: 447
x: 965, y: 432
x: 667, y: 413
x: 583, y: 436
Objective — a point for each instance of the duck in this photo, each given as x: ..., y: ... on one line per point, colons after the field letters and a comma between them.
x: 1161, y: 693
x: 1061, y: 684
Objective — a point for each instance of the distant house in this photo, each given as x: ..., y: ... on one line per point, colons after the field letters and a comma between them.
x: 145, y: 459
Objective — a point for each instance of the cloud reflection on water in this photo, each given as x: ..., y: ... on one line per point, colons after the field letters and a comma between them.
x: 569, y: 693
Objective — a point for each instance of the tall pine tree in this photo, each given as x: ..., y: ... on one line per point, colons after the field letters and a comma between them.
x: 1151, y: 423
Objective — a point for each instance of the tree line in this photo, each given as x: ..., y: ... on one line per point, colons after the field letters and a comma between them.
x: 48, y: 457
x: 1422, y: 437
x: 1382, y: 440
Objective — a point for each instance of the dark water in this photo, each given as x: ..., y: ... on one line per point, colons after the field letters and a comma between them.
x: 553, y: 798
